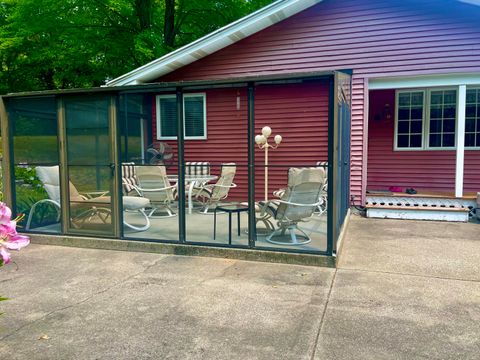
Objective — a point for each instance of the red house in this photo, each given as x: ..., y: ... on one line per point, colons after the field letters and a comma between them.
x: 415, y: 93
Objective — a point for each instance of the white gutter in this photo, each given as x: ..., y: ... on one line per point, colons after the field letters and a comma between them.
x: 219, y: 39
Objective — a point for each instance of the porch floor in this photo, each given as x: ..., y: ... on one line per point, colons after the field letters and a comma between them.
x: 200, y: 230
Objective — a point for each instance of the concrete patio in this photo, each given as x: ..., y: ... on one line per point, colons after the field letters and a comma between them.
x: 403, y: 290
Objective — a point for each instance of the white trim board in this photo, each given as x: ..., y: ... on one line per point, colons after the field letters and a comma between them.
x: 424, y: 81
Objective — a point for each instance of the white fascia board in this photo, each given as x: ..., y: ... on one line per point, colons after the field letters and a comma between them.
x: 219, y: 39
x: 423, y: 81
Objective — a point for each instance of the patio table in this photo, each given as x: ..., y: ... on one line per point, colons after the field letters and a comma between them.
x: 190, y: 181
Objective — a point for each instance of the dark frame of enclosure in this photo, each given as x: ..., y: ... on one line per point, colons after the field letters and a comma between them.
x: 334, y: 200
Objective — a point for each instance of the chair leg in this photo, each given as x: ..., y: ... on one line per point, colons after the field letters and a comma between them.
x: 139, y: 228
x: 295, y: 239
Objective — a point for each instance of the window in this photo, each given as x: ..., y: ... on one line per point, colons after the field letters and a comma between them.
x: 194, y: 116
x: 410, y: 119
x: 443, y: 112
x: 426, y: 119
x: 472, y: 118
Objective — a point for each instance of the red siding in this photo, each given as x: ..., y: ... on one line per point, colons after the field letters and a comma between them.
x: 427, y: 170
x: 375, y: 38
x: 298, y: 112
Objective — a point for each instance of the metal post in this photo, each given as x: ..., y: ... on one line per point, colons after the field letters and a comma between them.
x: 7, y: 161
x: 332, y: 168
x: 252, y: 232
x: 266, y: 172
x: 181, y: 167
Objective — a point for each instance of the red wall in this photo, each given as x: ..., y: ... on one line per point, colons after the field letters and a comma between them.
x: 427, y: 170
x: 375, y: 38
x: 298, y: 112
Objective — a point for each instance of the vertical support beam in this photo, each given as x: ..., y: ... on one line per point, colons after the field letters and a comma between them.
x: 460, y: 140
x: 252, y: 233
x: 332, y: 202
x: 181, y: 167
x: 63, y: 166
x: 116, y: 191
x: 7, y: 161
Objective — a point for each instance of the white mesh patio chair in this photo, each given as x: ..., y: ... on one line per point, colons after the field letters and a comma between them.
x: 211, y: 194
x: 152, y: 183
x: 297, y: 204
x: 90, y: 207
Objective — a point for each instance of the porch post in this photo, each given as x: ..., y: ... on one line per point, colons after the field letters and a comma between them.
x: 181, y: 167
x: 460, y: 141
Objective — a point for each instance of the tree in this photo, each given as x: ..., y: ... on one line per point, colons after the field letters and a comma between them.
x: 49, y: 44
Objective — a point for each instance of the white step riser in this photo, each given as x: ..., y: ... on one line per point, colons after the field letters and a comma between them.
x: 418, y: 215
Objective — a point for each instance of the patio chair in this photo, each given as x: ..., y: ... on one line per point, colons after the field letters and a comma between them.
x: 88, y: 206
x: 152, y: 183
x: 211, y: 194
x: 297, y: 204
x: 322, y: 207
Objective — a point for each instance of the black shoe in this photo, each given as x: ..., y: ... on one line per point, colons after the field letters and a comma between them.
x: 411, y: 191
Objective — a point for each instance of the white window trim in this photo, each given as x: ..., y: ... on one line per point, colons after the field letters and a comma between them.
x: 426, y: 120
x: 185, y: 96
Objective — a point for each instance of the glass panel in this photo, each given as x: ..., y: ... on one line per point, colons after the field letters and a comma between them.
x: 478, y: 140
x: 410, y: 119
x: 435, y: 140
x: 403, y: 114
x: 449, y: 126
x: 417, y: 98
x: 88, y: 165
x: 194, y: 116
x: 34, y: 129
x: 404, y: 99
x: 442, y: 118
x: 148, y: 165
x: 416, y: 127
x: 470, y: 111
x: 403, y: 127
x: 168, y: 116
x: 403, y: 141
x: 470, y: 125
x: 416, y: 113
x: 448, y: 139
x: 470, y: 139
x: 471, y: 96
x: 415, y: 141
x: 216, y: 170
x: 435, y: 112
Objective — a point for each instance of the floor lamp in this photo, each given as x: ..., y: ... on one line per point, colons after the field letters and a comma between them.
x: 262, y: 142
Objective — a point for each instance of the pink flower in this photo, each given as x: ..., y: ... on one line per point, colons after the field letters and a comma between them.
x: 5, y: 213
x: 4, y: 256
x: 9, y: 238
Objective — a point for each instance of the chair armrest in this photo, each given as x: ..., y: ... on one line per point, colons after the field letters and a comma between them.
x: 297, y: 204
x: 93, y: 194
x: 155, y: 189
x: 233, y: 185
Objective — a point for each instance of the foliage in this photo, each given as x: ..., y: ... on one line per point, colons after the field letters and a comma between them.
x: 48, y: 44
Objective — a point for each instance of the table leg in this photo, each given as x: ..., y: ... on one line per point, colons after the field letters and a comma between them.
x: 229, y: 228
x: 214, y: 223
x: 190, y: 191
x: 238, y: 223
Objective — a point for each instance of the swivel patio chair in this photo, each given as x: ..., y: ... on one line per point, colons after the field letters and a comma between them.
x: 152, y: 183
x: 88, y: 207
x: 211, y: 194
x: 297, y: 204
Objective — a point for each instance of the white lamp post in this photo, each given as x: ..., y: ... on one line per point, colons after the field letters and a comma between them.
x: 262, y: 142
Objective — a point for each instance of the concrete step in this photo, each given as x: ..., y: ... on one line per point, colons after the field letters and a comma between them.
x: 437, y: 213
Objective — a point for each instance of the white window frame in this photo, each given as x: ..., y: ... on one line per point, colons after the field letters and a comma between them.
x: 426, y: 119
x: 185, y: 96
x: 472, y: 147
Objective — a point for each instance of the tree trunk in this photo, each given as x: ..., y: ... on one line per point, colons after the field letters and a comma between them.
x: 169, y: 23
x: 144, y: 10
